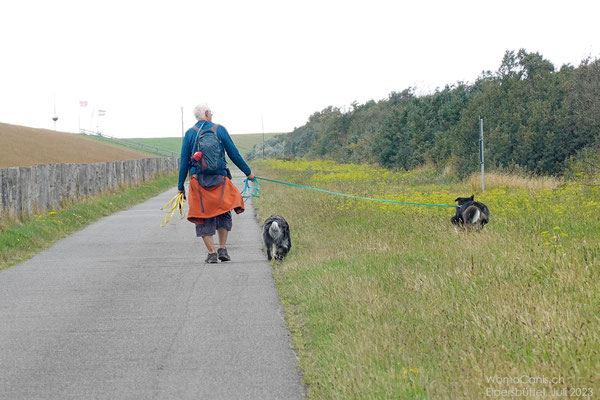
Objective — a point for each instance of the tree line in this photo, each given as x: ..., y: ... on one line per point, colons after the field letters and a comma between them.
x: 536, y: 118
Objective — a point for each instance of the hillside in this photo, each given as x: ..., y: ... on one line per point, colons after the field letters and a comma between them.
x: 24, y: 146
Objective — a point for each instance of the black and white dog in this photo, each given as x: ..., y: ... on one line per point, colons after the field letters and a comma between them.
x: 276, y: 236
x: 470, y: 213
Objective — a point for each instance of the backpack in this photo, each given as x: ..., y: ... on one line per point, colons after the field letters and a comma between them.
x: 213, y: 154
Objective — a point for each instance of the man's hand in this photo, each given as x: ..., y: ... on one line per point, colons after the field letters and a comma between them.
x: 183, y: 191
x: 251, y: 176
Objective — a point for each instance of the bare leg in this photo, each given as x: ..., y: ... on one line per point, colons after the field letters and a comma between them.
x: 209, y: 243
x: 222, y: 233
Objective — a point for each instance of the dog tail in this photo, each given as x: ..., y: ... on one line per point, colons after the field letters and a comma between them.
x: 275, y: 231
x: 472, y: 214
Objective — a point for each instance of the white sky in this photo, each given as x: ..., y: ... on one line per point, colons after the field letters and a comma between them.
x: 254, y: 61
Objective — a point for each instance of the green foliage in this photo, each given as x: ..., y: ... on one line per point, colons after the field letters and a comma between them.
x: 535, y: 118
x: 273, y: 148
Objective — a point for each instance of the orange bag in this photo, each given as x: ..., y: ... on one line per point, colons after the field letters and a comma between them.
x: 213, y: 201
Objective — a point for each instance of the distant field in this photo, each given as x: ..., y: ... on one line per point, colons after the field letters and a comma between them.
x: 171, y: 143
x: 23, y: 146
x: 244, y: 143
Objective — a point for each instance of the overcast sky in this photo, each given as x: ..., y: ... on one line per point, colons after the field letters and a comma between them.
x: 258, y: 62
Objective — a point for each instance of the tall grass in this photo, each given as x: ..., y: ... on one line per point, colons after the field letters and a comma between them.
x: 389, y: 301
x: 499, y: 179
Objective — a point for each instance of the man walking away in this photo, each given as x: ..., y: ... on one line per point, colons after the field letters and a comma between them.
x: 212, y: 195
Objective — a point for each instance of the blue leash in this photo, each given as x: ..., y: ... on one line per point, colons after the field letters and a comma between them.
x: 255, y: 193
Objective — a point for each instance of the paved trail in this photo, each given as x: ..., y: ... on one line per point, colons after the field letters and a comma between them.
x: 125, y: 309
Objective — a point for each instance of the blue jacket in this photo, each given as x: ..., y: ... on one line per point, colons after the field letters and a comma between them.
x: 188, y: 145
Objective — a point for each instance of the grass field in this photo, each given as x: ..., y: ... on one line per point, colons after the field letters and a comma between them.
x: 20, y: 240
x: 243, y: 142
x: 168, y: 143
x: 23, y: 146
x: 388, y: 301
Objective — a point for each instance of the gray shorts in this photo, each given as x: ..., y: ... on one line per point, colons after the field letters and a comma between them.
x: 210, y: 225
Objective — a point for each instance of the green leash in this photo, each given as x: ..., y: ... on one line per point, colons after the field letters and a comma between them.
x: 256, y: 193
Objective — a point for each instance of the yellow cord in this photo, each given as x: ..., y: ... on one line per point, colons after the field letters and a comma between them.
x: 175, y: 203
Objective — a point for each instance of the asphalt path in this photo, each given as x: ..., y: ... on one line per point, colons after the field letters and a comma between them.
x: 125, y: 309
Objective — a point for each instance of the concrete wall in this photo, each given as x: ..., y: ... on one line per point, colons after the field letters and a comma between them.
x: 30, y: 190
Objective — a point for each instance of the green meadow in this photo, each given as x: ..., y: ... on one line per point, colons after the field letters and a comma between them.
x: 244, y: 142
x: 167, y: 143
x: 391, y: 301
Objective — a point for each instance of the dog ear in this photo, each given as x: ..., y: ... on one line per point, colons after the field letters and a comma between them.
x: 472, y: 197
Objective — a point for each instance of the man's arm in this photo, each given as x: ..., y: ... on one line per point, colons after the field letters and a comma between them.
x: 233, y: 152
x: 184, y: 160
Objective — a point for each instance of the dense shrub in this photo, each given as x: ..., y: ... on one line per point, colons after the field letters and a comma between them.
x: 535, y: 117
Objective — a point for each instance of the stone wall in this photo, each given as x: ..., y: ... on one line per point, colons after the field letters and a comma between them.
x: 30, y: 190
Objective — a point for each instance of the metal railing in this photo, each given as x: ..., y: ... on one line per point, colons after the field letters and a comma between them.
x: 131, y: 144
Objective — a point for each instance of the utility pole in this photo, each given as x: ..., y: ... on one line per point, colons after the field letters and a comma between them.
x: 182, y: 122
x: 481, y: 159
x: 262, y: 121
x: 55, y: 116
